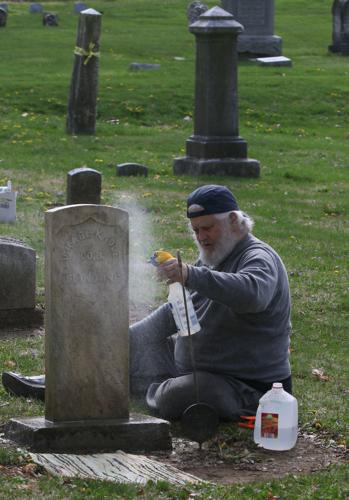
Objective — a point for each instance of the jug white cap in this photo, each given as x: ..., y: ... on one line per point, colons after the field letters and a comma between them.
x: 277, y: 385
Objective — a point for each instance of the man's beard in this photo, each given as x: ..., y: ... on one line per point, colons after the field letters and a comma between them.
x: 222, y: 248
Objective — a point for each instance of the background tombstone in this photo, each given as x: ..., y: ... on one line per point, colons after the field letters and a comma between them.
x: 49, y: 19
x: 3, y: 17
x: 35, y: 8
x: 81, y: 118
x: 86, y: 349
x: 4, y: 6
x: 257, y: 17
x: 79, y: 6
x: 344, y: 43
x: 18, y: 281
x: 17, y: 271
x: 84, y: 186
x: 216, y: 148
x: 194, y: 11
x: 128, y: 169
x: 337, y: 25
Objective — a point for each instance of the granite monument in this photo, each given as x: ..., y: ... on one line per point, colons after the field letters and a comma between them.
x: 257, y: 18
x: 216, y: 148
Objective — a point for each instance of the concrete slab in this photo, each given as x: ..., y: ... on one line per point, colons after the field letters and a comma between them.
x: 117, y: 467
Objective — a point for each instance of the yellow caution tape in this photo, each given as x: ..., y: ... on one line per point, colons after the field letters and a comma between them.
x: 79, y: 51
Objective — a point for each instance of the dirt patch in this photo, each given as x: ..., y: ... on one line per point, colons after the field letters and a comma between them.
x: 237, y: 459
x: 12, y: 333
x: 223, y: 462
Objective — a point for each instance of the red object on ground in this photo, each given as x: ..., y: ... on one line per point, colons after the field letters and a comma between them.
x: 250, y: 420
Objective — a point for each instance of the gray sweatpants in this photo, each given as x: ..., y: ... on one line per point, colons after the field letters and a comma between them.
x: 153, y: 375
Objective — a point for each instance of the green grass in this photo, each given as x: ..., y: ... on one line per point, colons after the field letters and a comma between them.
x: 296, y: 124
x: 329, y: 485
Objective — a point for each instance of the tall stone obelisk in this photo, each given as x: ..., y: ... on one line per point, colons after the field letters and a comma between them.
x: 216, y: 147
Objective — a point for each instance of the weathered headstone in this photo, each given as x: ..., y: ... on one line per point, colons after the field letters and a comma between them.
x: 35, y: 8
x: 84, y: 186
x: 79, y: 6
x: 3, y: 17
x: 129, y: 169
x: 257, y: 17
x: 49, y: 19
x: 18, y: 280
x: 86, y: 291
x: 216, y: 147
x: 87, y: 313
x: 194, y: 11
x: 82, y: 104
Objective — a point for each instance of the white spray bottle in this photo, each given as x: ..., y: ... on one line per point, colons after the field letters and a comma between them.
x: 176, y: 300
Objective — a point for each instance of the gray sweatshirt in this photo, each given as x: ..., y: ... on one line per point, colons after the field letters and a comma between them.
x: 243, y: 307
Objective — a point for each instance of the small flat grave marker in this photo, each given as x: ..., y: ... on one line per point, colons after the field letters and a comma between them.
x: 143, y: 66
x: 273, y: 61
x: 35, y: 8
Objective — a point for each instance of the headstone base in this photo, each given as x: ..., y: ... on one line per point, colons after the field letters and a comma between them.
x: 270, y: 45
x: 138, y: 433
x: 21, y: 318
x: 238, y: 167
x: 335, y: 48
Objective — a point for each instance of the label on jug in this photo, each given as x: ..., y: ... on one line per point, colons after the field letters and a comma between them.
x: 269, y: 425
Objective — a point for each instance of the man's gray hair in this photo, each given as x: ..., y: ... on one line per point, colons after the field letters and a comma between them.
x: 245, y: 222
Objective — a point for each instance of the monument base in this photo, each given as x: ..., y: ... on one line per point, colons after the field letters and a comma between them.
x: 266, y: 45
x: 238, y: 167
x: 21, y: 318
x: 138, y: 433
x: 335, y: 48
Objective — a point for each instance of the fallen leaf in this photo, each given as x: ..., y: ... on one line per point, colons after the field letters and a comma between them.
x: 319, y: 374
x: 9, y: 363
x: 270, y: 496
x: 30, y: 469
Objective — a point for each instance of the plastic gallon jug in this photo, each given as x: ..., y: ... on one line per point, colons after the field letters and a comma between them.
x: 176, y: 301
x: 276, y: 425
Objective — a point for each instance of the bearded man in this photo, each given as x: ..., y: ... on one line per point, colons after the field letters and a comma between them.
x: 240, y: 292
